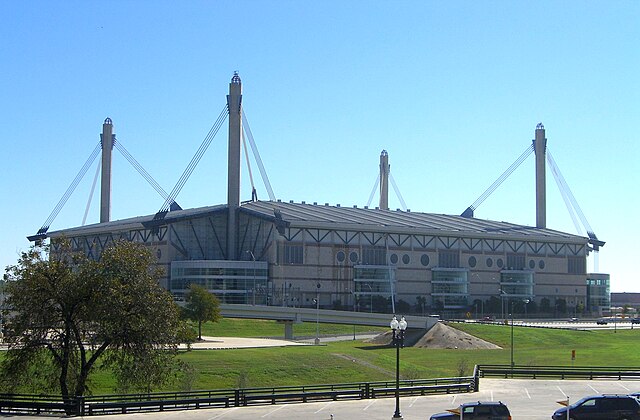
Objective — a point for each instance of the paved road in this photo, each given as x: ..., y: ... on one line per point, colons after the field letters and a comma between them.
x: 527, y: 400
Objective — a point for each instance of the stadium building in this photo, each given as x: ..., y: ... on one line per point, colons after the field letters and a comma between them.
x: 356, y: 258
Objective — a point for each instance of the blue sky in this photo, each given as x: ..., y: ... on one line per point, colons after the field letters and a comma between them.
x: 452, y: 90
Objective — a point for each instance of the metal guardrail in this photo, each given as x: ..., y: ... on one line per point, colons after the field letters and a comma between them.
x: 121, y: 404
x: 561, y: 372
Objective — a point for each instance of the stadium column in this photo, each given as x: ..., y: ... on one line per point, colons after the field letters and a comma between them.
x: 384, y: 180
x: 106, y: 140
x: 540, y: 148
x: 234, y: 102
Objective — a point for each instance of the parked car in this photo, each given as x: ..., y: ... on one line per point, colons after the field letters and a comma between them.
x: 573, y: 319
x: 635, y: 320
x: 602, y: 321
x: 613, y: 407
x: 484, y: 410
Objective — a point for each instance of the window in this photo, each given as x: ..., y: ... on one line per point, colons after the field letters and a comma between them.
x: 406, y: 259
x: 515, y: 261
x: 341, y: 256
x: 293, y: 254
x: 424, y: 260
x: 449, y: 259
x: 374, y: 256
x: 472, y: 261
x: 577, y: 265
x: 394, y: 259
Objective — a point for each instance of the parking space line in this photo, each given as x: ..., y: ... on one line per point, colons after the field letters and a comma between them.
x: 274, y: 410
x: 594, y: 390
x: 224, y: 413
x: 453, y: 400
x: 369, y: 405
x: 324, y: 406
x: 561, y: 391
x: 413, y: 402
x: 527, y: 391
x: 623, y: 387
x: 492, y: 395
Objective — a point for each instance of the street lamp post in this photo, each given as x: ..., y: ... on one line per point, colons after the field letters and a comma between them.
x: 397, y: 329
x: 317, y: 299
x: 511, y: 336
x: 370, y: 297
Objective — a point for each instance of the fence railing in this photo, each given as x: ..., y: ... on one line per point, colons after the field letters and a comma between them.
x: 561, y: 372
x: 116, y: 404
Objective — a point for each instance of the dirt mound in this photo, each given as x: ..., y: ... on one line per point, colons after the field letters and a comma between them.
x: 440, y: 336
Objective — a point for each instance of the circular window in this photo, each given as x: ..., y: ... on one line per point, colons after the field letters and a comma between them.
x: 353, y: 257
x: 406, y: 259
x: 472, y: 261
x: 341, y: 256
x: 541, y: 264
x: 424, y: 260
x: 532, y: 264
x: 394, y: 259
x: 499, y: 263
x: 489, y: 262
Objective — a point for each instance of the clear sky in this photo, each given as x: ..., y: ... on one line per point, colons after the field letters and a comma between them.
x: 453, y: 90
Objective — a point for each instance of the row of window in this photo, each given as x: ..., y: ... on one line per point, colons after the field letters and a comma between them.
x: 293, y: 253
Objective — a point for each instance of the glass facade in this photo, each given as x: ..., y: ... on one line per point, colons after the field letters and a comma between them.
x: 598, y: 293
x: 371, y: 282
x: 231, y: 281
x: 450, y: 288
x: 517, y: 283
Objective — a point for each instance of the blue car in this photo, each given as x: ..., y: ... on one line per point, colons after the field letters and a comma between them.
x: 610, y: 407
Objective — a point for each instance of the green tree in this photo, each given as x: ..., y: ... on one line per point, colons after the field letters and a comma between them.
x: 202, y: 306
x: 68, y: 312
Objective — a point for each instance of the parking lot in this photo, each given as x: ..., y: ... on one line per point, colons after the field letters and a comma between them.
x: 526, y: 399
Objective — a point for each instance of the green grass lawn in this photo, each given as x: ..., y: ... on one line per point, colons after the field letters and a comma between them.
x: 357, y: 361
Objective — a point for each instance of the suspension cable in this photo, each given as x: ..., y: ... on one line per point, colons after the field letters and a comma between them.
x: 138, y: 167
x: 563, y: 193
x: 256, y: 155
x: 572, y: 198
x: 254, y: 194
x: 93, y: 189
x: 501, y: 178
x: 373, y: 191
x: 195, y: 160
x: 397, y: 190
x: 71, y: 189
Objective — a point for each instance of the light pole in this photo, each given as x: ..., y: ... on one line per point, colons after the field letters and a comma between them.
x: 397, y: 329
x: 253, y: 257
x: 502, y: 294
x: 511, y: 302
x: 370, y: 297
x: 317, y: 299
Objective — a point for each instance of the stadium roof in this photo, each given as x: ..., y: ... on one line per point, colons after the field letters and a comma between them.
x: 302, y: 215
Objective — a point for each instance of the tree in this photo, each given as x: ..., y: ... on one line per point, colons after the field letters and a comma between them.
x: 68, y: 312
x: 202, y: 306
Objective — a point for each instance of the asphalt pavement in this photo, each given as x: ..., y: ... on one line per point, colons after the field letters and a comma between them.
x: 526, y: 399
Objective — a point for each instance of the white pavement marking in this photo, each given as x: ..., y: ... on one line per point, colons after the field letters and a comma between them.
x: 369, y: 405
x: 527, y: 391
x: 323, y: 407
x: 561, y: 391
x: 492, y: 395
x: 594, y: 390
x: 223, y: 413
x: 273, y: 411
x: 413, y: 402
x: 624, y: 387
x: 453, y: 400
